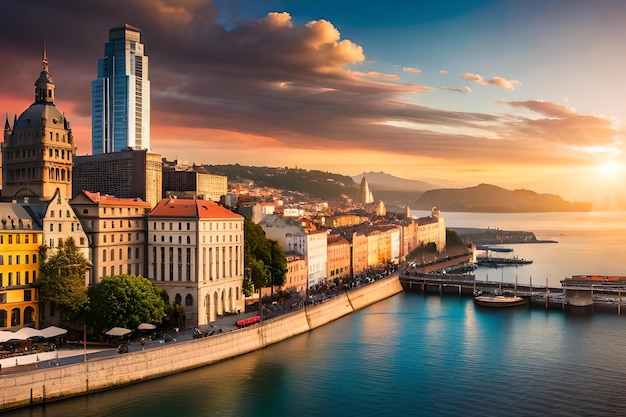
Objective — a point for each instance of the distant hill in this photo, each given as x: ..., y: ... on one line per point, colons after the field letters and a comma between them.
x: 386, y: 182
x: 492, y: 199
x: 302, y: 183
x: 395, y: 192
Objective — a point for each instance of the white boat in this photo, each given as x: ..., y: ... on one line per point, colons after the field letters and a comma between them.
x: 497, y: 300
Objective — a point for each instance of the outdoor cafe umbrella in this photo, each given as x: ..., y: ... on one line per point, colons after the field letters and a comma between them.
x: 52, y: 331
x: 146, y: 326
x: 118, y: 331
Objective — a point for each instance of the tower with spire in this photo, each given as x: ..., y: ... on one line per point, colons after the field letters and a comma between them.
x: 365, y: 195
x: 38, y: 149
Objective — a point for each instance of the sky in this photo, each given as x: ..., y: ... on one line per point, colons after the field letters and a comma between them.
x: 519, y: 94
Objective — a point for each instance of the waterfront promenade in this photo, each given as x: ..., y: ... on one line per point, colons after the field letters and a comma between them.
x: 145, y: 362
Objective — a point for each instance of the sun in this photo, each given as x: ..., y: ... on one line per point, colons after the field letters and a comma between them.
x: 610, y: 170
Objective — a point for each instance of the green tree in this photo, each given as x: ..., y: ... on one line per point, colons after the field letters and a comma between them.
x: 278, y: 265
x: 125, y: 301
x: 62, y: 279
x: 265, y: 262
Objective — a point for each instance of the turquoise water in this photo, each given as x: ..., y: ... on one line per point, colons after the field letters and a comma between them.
x: 417, y: 355
x: 412, y: 354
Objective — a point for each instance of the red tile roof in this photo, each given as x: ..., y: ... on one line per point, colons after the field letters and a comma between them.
x: 196, y: 209
x: 109, y: 200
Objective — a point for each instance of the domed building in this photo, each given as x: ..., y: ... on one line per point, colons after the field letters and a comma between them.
x: 38, y: 150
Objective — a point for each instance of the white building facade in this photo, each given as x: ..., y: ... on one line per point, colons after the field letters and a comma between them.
x: 195, y: 252
x: 294, y: 238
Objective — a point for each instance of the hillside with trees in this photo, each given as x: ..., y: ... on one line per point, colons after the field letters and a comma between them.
x: 487, y: 198
x: 301, y: 183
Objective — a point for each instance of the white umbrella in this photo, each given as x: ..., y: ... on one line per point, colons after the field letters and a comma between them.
x: 6, y: 335
x: 52, y: 331
x: 146, y: 326
x: 25, y: 332
x: 118, y: 331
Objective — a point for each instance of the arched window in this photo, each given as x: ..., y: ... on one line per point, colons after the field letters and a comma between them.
x: 3, y: 318
x: 29, y: 316
x: 177, y: 299
x: 189, y: 300
x: 15, y: 317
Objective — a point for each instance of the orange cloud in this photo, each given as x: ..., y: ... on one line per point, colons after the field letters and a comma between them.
x: 377, y: 74
x: 496, y: 81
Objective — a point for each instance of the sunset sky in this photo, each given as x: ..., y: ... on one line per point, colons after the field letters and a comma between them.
x: 520, y: 94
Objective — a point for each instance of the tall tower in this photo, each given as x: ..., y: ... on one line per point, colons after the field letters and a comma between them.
x: 38, y: 150
x: 120, y: 96
x: 364, y: 196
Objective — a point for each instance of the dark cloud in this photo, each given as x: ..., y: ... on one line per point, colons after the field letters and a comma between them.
x: 297, y: 84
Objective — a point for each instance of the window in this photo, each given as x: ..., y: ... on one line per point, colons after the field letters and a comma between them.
x: 137, y: 253
x: 1, y: 259
x: 104, y: 255
x: 34, y: 258
x: 189, y: 300
x: 28, y: 295
x: 10, y: 259
x: 15, y: 317
x: 17, y: 259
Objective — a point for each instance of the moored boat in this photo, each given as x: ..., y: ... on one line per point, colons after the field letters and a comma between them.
x: 496, y: 300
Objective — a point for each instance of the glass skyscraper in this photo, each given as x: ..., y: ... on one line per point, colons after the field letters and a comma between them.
x: 120, y: 96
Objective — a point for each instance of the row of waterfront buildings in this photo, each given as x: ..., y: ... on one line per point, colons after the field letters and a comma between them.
x: 129, y: 212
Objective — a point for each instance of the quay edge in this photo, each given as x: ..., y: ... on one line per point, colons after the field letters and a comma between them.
x: 28, y: 388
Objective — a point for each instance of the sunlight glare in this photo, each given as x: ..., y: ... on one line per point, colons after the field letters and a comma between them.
x: 610, y: 170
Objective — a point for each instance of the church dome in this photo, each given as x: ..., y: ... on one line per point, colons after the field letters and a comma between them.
x: 40, y: 114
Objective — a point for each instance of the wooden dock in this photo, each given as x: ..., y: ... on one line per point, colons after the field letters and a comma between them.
x: 574, y: 296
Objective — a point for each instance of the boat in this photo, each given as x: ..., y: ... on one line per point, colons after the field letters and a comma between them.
x: 499, y: 262
x: 499, y: 300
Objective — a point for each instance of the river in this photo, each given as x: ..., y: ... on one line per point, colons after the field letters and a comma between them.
x: 416, y: 354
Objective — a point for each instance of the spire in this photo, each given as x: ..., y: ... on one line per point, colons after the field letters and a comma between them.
x: 365, y: 195
x: 7, y: 126
x: 45, y: 57
x: 44, y: 86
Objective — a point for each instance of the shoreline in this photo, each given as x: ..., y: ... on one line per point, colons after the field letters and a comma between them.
x: 481, y: 236
x: 23, y: 389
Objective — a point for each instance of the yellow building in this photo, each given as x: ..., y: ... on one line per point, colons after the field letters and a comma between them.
x: 338, y: 266
x: 19, y: 268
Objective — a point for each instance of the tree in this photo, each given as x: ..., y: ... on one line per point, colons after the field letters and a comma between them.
x: 265, y: 262
x: 278, y: 265
x: 62, y: 279
x: 125, y: 301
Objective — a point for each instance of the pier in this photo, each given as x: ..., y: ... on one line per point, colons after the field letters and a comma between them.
x: 578, y: 294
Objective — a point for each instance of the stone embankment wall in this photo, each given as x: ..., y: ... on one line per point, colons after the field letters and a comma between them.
x: 39, y: 386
